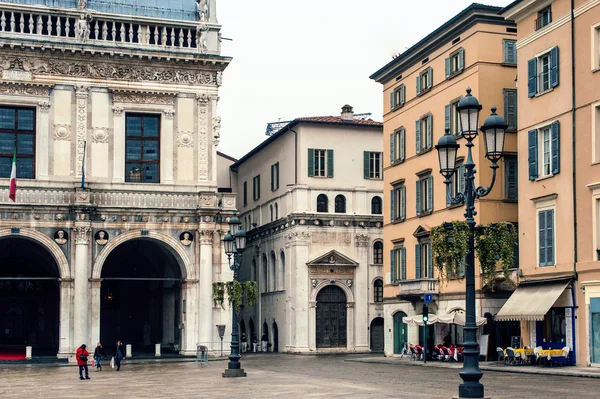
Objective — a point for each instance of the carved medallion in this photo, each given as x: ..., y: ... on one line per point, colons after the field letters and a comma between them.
x: 100, y: 135
x: 62, y: 132
x: 184, y: 139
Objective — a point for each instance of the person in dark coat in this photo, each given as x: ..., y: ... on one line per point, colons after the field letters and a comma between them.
x: 82, y: 359
x: 98, y: 355
x: 119, y: 355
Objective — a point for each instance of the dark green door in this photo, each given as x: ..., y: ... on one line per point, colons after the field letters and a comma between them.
x: 400, y: 332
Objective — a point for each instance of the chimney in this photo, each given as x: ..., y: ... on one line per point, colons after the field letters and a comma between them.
x: 347, y: 113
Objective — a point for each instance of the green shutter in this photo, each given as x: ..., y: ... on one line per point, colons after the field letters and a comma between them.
x: 418, y: 261
x: 402, y: 94
x: 542, y: 237
x: 272, y: 177
x: 311, y: 162
x: 532, y: 77
x: 447, y: 111
x: 510, y: 52
x: 430, y: 193
x: 403, y: 274
x: 418, y: 197
x: 392, y: 100
x: 555, y: 146
x: 429, y: 261
x: 393, y: 205
x: 393, y: 155
x: 402, y: 204
x: 418, y: 131
x: 258, y: 184
x: 510, y: 170
x: 277, y: 177
x: 329, y: 163
x: 367, y: 163
x: 554, y: 75
x: 510, y: 108
x: 461, y: 59
x: 550, y: 237
x: 429, y: 131
x: 532, y: 137
x: 393, y: 266
x: 430, y: 77
x: 448, y: 67
x: 402, y: 144
x: 418, y: 84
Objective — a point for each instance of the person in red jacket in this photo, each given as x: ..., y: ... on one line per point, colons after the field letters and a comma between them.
x: 82, y: 361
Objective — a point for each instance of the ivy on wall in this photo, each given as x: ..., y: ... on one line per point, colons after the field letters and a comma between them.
x: 238, y: 294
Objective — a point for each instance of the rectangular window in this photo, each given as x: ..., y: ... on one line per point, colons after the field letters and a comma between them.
x: 596, y: 133
x: 320, y: 156
x: 455, y: 63
x: 544, y: 18
x: 544, y: 76
x: 256, y: 188
x: 510, y: 52
x: 245, y: 193
x: 142, y: 148
x: 453, y: 118
x: 398, y: 97
x: 546, y: 237
x: 275, y: 176
x: 423, y: 259
x: 511, y: 178
x: 373, y: 165
x: 424, y: 81
x: 424, y: 195
x: 555, y: 326
x: 398, y: 203
x: 543, y: 72
x: 17, y: 134
x: 424, y: 133
x: 320, y: 163
x: 398, y: 263
x: 510, y: 108
x: 397, y: 146
x: 596, y: 47
x: 544, y: 151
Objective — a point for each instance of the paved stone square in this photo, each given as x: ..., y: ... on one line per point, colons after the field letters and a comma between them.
x: 281, y: 376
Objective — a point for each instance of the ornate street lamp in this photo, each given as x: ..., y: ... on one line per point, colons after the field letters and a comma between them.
x: 494, y: 130
x: 235, y: 244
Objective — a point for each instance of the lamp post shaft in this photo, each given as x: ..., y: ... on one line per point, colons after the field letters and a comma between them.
x: 234, y: 367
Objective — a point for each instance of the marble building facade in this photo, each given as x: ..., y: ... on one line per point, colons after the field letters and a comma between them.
x: 116, y: 231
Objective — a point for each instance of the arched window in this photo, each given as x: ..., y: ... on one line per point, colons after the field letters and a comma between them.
x: 273, y: 280
x: 282, y: 271
x: 249, y: 222
x: 378, y: 290
x: 378, y: 253
x: 276, y: 211
x: 271, y: 209
x: 340, y: 204
x: 253, y: 271
x: 322, y: 203
x: 376, y: 206
x: 265, y: 276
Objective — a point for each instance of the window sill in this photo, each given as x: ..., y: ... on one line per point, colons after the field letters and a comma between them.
x: 597, y: 69
x: 320, y: 177
x: 398, y: 221
x: 424, y: 151
x: 541, y: 93
x: 455, y: 206
x: 397, y: 107
x: 374, y: 178
x: 397, y: 162
x: 424, y: 91
x: 508, y: 64
x: 510, y: 201
x: 423, y: 214
x: 512, y: 130
x: 455, y: 73
x: 544, y: 177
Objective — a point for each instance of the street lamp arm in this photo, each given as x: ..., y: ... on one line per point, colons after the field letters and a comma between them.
x: 459, y: 198
x: 482, y: 191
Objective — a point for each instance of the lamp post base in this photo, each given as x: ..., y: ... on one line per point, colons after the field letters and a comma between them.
x: 229, y: 373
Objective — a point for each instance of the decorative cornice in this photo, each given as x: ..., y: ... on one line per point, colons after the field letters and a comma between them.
x: 139, y: 98
x: 299, y: 238
x: 23, y: 90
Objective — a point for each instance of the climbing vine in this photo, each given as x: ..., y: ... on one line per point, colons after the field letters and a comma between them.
x: 494, y: 246
x: 238, y: 294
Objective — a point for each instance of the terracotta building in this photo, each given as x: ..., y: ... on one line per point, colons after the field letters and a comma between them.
x: 558, y: 299
x: 421, y: 88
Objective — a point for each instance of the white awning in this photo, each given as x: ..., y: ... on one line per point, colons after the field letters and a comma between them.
x: 531, y: 302
x: 453, y: 318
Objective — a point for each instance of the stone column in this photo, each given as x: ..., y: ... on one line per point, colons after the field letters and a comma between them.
x: 166, y: 150
x: 42, y: 161
x: 351, y: 329
x: 299, y: 246
x: 205, y: 308
x: 312, y: 327
x: 66, y: 294
x: 190, y: 333
x: 118, y: 173
x: 94, y: 316
x: 212, y: 11
x: 361, y: 285
x: 81, y: 311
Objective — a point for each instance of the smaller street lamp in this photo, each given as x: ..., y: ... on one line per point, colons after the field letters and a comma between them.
x: 235, y: 244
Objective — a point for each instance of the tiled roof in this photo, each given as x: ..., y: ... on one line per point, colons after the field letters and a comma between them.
x: 337, y: 119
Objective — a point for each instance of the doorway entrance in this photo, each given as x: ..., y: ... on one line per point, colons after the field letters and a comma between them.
x: 331, y: 318
x: 400, y: 332
x: 141, y: 297
x: 275, y: 338
x: 29, y: 299
x: 377, y: 334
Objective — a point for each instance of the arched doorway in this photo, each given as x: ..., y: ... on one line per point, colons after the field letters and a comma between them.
x: 29, y: 298
x: 377, y: 334
x: 331, y: 318
x: 265, y: 335
x: 141, y: 297
x: 275, y: 338
x: 400, y: 332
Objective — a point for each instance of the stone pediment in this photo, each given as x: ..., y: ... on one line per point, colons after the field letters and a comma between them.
x: 333, y: 258
x: 422, y: 231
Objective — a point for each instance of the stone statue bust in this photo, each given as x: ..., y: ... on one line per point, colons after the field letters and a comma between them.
x: 185, y: 238
x: 81, y: 4
x: 202, y: 10
x: 60, y: 237
x: 332, y: 259
x: 101, y: 237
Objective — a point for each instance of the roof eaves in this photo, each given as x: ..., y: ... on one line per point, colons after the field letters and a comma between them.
x: 508, y: 7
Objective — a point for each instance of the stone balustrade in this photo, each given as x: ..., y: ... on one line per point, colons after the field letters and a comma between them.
x: 418, y: 287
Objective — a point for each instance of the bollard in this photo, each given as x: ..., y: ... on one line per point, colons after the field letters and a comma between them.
x: 28, y: 351
x: 157, y: 350
x: 128, y: 350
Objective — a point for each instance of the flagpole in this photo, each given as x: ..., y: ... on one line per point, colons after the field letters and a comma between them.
x: 83, y: 166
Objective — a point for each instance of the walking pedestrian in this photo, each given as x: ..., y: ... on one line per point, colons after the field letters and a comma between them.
x: 264, y: 341
x: 82, y: 360
x: 254, y: 343
x: 244, y: 343
x: 98, y: 355
x: 119, y: 354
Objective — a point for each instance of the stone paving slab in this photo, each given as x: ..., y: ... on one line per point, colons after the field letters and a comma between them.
x: 567, y: 371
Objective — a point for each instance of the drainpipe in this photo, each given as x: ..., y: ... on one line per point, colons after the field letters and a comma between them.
x: 295, y: 156
x: 574, y: 165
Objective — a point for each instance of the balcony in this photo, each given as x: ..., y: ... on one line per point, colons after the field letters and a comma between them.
x: 413, y: 289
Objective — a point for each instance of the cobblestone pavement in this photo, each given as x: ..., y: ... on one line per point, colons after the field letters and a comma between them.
x: 278, y: 376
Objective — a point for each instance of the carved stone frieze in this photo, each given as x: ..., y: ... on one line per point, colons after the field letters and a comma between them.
x: 23, y: 90
x: 206, y: 236
x: 82, y: 234
x: 169, y: 113
x: 185, y: 139
x: 202, y: 99
x: 362, y: 240
x: 202, y: 141
x: 62, y: 132
x: 330, y: 271
x: 100, y: 134
x: 207, y: 200
x: 217, y: 127
x: 299, y: 237
x: 82, y: 101
x: 140, y: 98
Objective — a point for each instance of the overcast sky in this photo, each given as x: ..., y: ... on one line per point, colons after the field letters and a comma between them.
x: 309, y: 58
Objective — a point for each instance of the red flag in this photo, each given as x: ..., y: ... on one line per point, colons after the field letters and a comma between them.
x: 13, y: 179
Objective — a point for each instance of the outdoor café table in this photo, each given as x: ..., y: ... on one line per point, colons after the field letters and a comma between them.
x: 550, y: 353
x: 524, y: 352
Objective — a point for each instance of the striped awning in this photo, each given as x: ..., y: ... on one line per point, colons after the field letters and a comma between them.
x: 531, y: 302
x: 453, y: 318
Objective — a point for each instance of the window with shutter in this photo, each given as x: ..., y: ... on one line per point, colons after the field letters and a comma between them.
x: 402, y: 145
x: 372, y: 165
x: 330, y: 163
x: 548, y: 150
x: 456, y: 184
x: 275, y: 176
x: 398, y: 203
x: 393, y: 153
x: 403, y: 263
x: 429, y: 132
x: 455, y: 63
x: 418, y: 136
x: 429, y: 260
x: 447, y: 116
x: 546, y: 237
x: 393, y: 205
x: 511, y: 176
x: 555, y: 147
x: 424, y: 81
x: 311, y: 162
x: 510, y: 108
x: 393, y: 265
x: 532, y: 77
x: 510, y: 52
x: 393, y: 100
x: 245, y: 190
x: 403, y: 203
x: 418, y: 261
x: 256, y: 188
x: 532, y: 138
x: 419, y: 198
x: 430, y: 194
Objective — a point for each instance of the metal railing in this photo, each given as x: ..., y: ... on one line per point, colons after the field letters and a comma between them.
x: 544, y: 19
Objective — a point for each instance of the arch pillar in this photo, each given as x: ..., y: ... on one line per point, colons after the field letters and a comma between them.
x: 205, y: 305
x: 81, y: 316
x: 95, y: 298
x: 189, y: 293
x: 65, y: 339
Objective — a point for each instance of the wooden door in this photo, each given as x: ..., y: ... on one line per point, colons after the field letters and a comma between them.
x: 331, y: 318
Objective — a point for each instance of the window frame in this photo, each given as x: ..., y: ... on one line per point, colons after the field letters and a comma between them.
x: 378, y: 253
x: 595, y: 58
x: 424, y: 134
x: 505, y: 46
x: 425, y: 76
x: 375, y: 163
x: 398, y: 146
x: 398, y: 203
x: 542, y: 151
x: 326, y: 203
x: 544, y: 210
x: 378, y: 290
x: 376, y: 197
x: 245, y: 193
x: 544, y: 18
x: 342, y: 202
x: 506, y: 94
x: 320, y: 163
x: 511, y: 158
x: 398, y: 97
x: 457, y: 182
x: 275, y: 176
x: 398, y: 262
x: 455, y: 63
x: 544, y: 73
x: 425, y: 184
x: 256, y: 188
x: 425, y: 262
x: 16, y: 132
x: 143, y: 138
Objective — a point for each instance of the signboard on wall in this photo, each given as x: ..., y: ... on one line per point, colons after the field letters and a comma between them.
x: 483, y: 345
